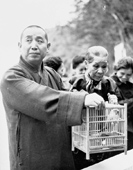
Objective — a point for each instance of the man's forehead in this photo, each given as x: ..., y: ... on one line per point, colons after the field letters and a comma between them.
x: 97, y: 50
x: 34, y: 31
x: 99, y: 59
x: 96, y: 54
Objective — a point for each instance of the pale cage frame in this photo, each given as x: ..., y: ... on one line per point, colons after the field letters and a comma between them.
x: 80, y: 133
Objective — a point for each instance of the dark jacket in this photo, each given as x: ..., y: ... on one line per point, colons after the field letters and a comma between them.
x: 38, y: 116
x: 126, y: 90
x: 108, y: 85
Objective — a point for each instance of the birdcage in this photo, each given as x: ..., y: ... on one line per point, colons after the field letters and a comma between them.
x: 102, y: 130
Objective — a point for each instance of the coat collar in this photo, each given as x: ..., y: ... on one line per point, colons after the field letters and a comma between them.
x: 29, y: 66
x: 116, y: 79
x: 95, y: 84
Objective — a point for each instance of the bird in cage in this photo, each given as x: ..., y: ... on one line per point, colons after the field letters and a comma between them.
x: 114, y: 115
x: 112, y: 123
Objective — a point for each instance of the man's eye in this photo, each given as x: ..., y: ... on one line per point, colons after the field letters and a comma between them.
x: 28, y: 40
x: 96, y: 66
x: 40, y: 41
x: 104, y: 67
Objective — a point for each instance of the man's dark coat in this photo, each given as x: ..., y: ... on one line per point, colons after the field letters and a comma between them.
x: 38, y: 115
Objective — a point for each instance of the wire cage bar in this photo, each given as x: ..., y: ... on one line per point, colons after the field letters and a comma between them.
x: 102, y: 130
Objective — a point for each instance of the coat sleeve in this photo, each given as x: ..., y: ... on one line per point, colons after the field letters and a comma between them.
x: 38, y: 101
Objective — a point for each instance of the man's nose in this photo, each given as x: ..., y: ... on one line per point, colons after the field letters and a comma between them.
x: 100, y: 70
x: 124, y: 77
x: 34, y: 45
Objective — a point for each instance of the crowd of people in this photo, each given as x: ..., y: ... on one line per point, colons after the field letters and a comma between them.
x: 41, y: 110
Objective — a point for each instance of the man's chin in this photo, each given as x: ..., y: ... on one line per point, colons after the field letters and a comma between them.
x: 35, y: 60
x: 36, y: 55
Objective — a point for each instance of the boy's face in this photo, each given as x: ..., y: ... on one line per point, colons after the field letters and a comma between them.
x: 61, y: 70
x: 97, y: 68
x: 80, y: 69
x: 124, y: 74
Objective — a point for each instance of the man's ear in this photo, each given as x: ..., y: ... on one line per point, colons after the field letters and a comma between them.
x: 19, y: 45
x: 48, y: 45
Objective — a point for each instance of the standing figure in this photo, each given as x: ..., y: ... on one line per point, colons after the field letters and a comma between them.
x: 95, y: 80
x: 38, y: 111
x: 123, y: 70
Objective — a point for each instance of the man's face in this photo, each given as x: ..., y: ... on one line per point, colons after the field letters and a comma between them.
x: 124, y: 74
x: 33, y: 46
x: 97, y: 68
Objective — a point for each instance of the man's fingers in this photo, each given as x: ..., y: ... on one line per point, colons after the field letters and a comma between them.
x: 94, y: 100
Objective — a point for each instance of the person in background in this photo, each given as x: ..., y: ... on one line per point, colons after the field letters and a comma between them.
x: 78, y: 65
x: 78, y: 68
x: 38, y: 111
x: 94, y: 80
x: 56, y: 63
x: 123, y: 70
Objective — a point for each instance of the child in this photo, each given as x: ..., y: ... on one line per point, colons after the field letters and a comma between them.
x: 78, y: 65
x: 94, y: 80
x: 56, y: 63
x: 78, y: 68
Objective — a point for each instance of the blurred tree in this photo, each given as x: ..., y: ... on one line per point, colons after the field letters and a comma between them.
x: 63, y: 44
x: 122, y: 12
x: 96, y: 22
x: 104, y: 22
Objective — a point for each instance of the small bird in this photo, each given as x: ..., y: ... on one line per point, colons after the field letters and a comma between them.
x: 114, y: 118
x: 113, y: 115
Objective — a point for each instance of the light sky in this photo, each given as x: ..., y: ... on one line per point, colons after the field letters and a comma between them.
x: 15, y: 15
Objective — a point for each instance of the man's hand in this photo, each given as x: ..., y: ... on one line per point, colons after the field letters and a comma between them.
x: 94, y: 100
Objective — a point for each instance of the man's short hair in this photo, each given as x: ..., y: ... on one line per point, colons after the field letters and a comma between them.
x: 33, y: 26
x: 95, y: 51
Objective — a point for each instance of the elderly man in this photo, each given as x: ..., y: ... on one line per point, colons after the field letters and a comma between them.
x: 38, y: 110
